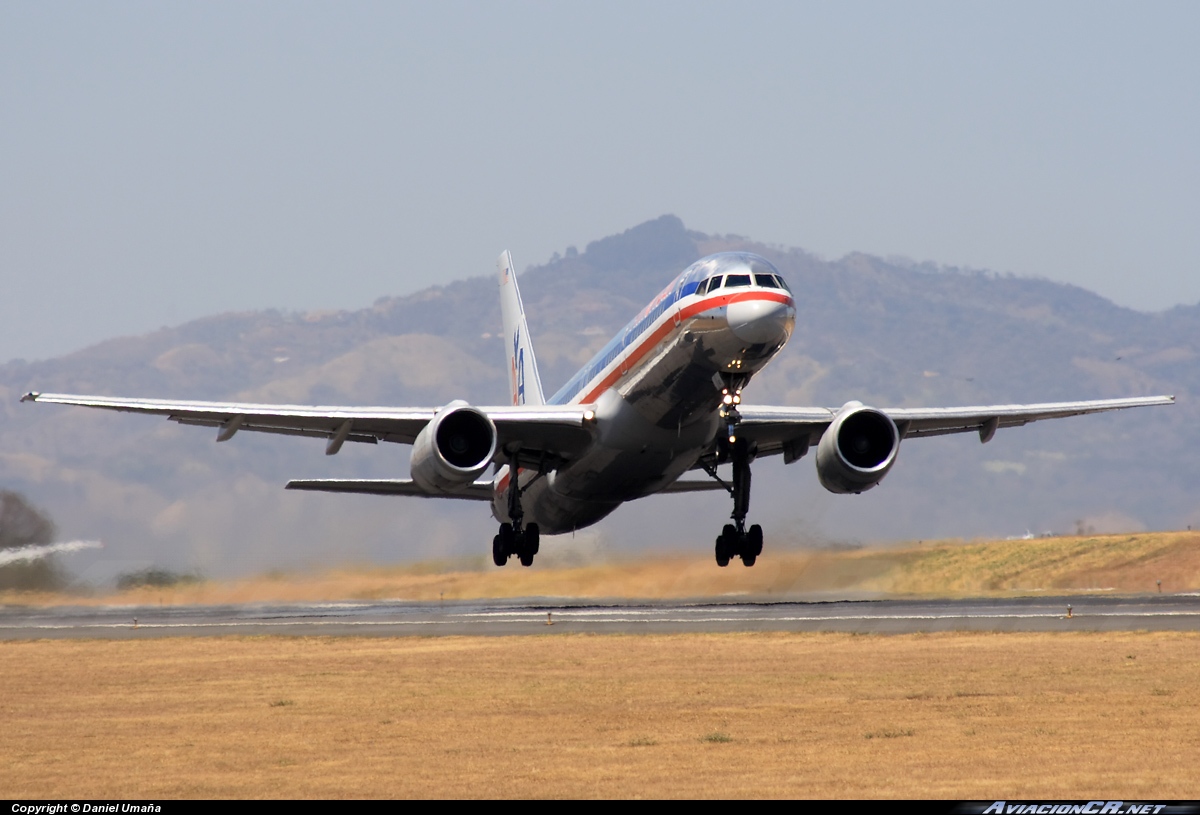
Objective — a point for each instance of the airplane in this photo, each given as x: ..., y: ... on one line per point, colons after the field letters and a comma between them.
x: 662, y: 399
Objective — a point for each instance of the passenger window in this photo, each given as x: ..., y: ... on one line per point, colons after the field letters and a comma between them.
x: 737, y: 280
x: 767, y: 280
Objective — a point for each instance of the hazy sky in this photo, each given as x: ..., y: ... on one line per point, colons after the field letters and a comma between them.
x: 163, y: 161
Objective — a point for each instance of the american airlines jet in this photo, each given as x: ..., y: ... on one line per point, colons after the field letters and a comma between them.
x: 662, y: 399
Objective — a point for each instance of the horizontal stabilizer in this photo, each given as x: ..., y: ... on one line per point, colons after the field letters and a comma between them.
x: 478, y: 491
x: 693, y: 486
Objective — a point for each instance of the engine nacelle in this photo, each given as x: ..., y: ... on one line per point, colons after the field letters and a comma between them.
x: 857, y: 449
x: 454, y: 449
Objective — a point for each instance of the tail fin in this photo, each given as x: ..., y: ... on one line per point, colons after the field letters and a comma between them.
x: 523, y: 379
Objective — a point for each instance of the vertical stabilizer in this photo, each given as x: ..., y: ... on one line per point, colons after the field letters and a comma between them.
x: 523, y: 380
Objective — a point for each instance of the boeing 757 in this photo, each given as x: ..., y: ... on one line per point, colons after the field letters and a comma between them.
x: 662, y: 399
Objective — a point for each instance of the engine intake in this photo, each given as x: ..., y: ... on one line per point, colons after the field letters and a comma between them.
x: 454, y: 449
x: 857, y: 449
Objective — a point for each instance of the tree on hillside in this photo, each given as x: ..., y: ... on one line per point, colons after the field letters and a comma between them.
x: 21, y: 525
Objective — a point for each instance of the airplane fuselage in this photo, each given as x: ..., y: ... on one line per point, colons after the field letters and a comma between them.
x: 657, y: 386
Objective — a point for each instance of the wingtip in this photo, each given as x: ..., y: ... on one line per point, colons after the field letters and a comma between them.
x: 30, y: 397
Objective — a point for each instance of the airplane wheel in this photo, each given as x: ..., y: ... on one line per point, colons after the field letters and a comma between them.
x: 726, y: 545
x: 754, y: 542
x: 505, y: 545
x: 533, y: 537
x: 525, y: 547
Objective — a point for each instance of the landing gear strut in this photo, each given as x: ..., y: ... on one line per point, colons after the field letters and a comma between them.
x: 516, y: 538
x: 735, y: 539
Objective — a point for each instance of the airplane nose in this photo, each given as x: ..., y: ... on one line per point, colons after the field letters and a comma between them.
x: 761, y: 321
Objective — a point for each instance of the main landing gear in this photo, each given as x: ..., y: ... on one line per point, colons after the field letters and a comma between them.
x: 735, y: 539
x: 516, y: 538
x: 740, y: 542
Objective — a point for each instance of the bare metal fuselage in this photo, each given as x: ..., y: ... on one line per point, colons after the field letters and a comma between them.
x: 656, y: 404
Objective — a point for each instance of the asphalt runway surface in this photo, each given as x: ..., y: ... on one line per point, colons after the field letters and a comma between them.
x: 1167, y: 612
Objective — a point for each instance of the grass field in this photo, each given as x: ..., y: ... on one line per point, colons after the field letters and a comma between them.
x: 976, y: 716
x: 1121, y: 563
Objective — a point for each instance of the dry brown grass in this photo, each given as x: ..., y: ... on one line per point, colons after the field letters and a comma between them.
x: 808, y: 715
x: 1124, y: 563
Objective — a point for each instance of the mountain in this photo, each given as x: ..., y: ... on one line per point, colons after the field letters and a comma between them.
x: 886, y: 332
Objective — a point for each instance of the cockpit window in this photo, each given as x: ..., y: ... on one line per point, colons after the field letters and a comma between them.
x: 782, y: 283
x: 737, y: 280
x: 713, y: 267
x: 767, y: 280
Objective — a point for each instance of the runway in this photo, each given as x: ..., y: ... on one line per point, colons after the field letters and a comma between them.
x: 1171, y: 612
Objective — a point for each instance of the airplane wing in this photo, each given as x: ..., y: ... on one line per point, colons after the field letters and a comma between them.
x: 549, y: 434
x: 790, y: 431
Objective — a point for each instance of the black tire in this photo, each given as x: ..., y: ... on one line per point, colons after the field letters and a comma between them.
x: 533, y: 537
x: 748, y: 560
x: 526, y: 556
x: 499, y: 556
x: 754, y: 543
x: 508, y: 539
x: 723, y: 550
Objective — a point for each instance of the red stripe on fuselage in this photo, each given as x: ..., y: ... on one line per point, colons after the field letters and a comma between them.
x: 635, y: 356
x: 503, y: 485
x: 656, y: 336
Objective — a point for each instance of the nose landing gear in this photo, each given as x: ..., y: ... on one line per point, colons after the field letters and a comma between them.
x: 735, y: 539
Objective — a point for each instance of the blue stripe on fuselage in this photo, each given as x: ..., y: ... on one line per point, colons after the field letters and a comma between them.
x: 628, y: 336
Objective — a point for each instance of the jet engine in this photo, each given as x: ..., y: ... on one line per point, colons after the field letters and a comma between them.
x: 857, y: 449
x: 454, y: 449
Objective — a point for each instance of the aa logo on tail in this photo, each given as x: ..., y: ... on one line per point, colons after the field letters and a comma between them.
x: 518, y: 370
